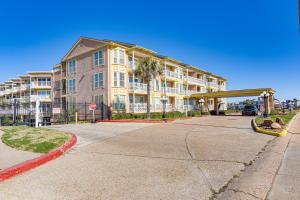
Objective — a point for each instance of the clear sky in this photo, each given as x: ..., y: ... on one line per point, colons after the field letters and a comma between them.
x: 253, y: 43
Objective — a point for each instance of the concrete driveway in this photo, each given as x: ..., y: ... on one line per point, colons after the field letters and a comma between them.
x: 188, y: 159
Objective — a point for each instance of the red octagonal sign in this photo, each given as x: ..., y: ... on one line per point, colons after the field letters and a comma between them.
x: 93, y: 106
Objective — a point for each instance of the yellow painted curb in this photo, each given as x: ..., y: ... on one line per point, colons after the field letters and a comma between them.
x: 263, y: 131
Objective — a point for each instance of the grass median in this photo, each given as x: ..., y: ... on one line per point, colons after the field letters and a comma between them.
x: 286, y: 117
x: 38, y: 140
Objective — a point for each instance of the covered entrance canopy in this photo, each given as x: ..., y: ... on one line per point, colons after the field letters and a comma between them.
x: 269, y: 100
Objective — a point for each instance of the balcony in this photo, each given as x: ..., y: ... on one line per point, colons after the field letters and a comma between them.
x: 195, y: 80
x: 212, y: 84
x: 41, y: 85
x: 137, y: 87
x: 169, y: 90
x: 44, y: 98
x: 24, y: 87
x: 222, y: 88
x: 170, y: 74
x: 132, y: 65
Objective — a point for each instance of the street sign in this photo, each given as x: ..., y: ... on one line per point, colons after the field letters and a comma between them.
x: 93, y: 106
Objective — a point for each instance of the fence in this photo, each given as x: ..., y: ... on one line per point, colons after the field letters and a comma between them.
x: 19, y: 113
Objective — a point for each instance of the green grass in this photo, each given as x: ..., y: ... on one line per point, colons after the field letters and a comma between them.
x: 37, y: 140
x: 285, y: 117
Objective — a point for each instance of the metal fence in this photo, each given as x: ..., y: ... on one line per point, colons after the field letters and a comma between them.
x: 19, y: 113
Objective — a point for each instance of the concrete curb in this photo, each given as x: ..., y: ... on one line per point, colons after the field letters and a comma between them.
x: 30, y: 164
x: 260, y: 130
x: 284, y: 132
x: 143, y: 120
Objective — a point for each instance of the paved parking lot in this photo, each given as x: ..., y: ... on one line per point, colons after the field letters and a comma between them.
x: 188, y: 159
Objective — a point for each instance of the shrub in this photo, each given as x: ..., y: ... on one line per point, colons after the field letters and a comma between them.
x: 156, y: 115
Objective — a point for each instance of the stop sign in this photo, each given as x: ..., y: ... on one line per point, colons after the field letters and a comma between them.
x: 93, y: 106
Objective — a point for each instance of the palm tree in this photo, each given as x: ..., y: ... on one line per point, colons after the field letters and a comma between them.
x: 148, y: 69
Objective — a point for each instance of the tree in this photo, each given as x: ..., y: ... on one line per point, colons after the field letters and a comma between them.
x: 148, y: 69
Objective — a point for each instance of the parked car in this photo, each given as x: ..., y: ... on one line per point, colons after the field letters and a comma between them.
x: 250, y: 110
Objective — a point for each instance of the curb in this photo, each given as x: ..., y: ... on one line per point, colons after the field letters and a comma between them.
x: 259, y: 130
x: 30, y: 164
x: 136, y: 121
x: 142, y: 120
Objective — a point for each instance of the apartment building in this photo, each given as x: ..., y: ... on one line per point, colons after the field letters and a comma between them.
x: 102, y: 71
x: 18, y: 96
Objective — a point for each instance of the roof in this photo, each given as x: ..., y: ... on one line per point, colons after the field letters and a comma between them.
x: 235, y: 93
x: 131, y: 46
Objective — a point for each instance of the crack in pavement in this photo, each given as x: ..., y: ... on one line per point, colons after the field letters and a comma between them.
x: 249, y: 194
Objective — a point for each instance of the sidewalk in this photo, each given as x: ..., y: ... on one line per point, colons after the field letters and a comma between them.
x: 275, y: 173
x: 287, y: 181
x: 10, y: 157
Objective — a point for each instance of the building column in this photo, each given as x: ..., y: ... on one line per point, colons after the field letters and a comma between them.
x: 271, y: 102
x: 267, y: 104
x: 216, y: 106
x: 205, y: 109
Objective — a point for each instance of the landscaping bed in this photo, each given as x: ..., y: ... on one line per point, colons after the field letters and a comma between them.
x: 275, y: 124
x: 155, y: 116
x: 38, y: 140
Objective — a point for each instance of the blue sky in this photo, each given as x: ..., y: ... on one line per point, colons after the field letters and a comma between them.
x: 253, y: 43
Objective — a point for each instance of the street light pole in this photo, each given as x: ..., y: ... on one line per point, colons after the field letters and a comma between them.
x: 265, y: 96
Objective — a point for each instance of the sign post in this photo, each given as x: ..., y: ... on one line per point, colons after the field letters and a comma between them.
x: 93, y: 107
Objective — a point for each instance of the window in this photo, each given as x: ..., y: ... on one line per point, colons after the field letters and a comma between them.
x: 119, y: 102
x: 115, y: 56
x: 72, y: 85
x: 44, y: 93
x: 57, y: 85
x: 116, y: 102
x: 122, y: 102
x: 98, y: 58
x: 72, y: 66
x: 122, y: 79
x: 156, y: 85
x: 122, y: 55
x: 98, y: 99
x: 98, y: 80
x: 115, y: 79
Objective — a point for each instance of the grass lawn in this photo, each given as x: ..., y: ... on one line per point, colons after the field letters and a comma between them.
x: 37, y: 140
x: 285, y: 117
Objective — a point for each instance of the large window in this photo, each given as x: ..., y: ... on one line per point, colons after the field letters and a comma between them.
x: 44, y: 81
x: 98, y: 58
x: 72, y: 85
x: 115, y: 79
x: 72, y: 66
x: 119, y: 102
x: 115, y: 56
x: 122, y: 79
x: 98, y: 99
x: 122, y: 57
x: 119, y: 56
x: 98, y: 80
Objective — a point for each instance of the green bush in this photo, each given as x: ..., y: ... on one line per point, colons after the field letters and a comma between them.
x: 6, y: 121
x: 156, y: 115
x: 194, y: 113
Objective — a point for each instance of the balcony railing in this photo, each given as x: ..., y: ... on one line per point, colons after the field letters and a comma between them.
x: 41, y: 98
x: 170, y: 74
x: 195, y: 80
x: 169, y: 90
x: 212, y: 84
x: 222, y: 87
x: 138, y: 87
x: 41, y: 84
x: 132, y: 65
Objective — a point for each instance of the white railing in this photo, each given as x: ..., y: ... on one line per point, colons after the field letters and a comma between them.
x: 140, y: 107
x: 132, y: 65
x: 169, y: 90
x: 222, y: 87
x: 141, y: 87
x: 195, y: 80
x: 41, y: 98
x: 170, y: 74
x: 40, y: 84
x: 24, y: 87
x: 212, y: 84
